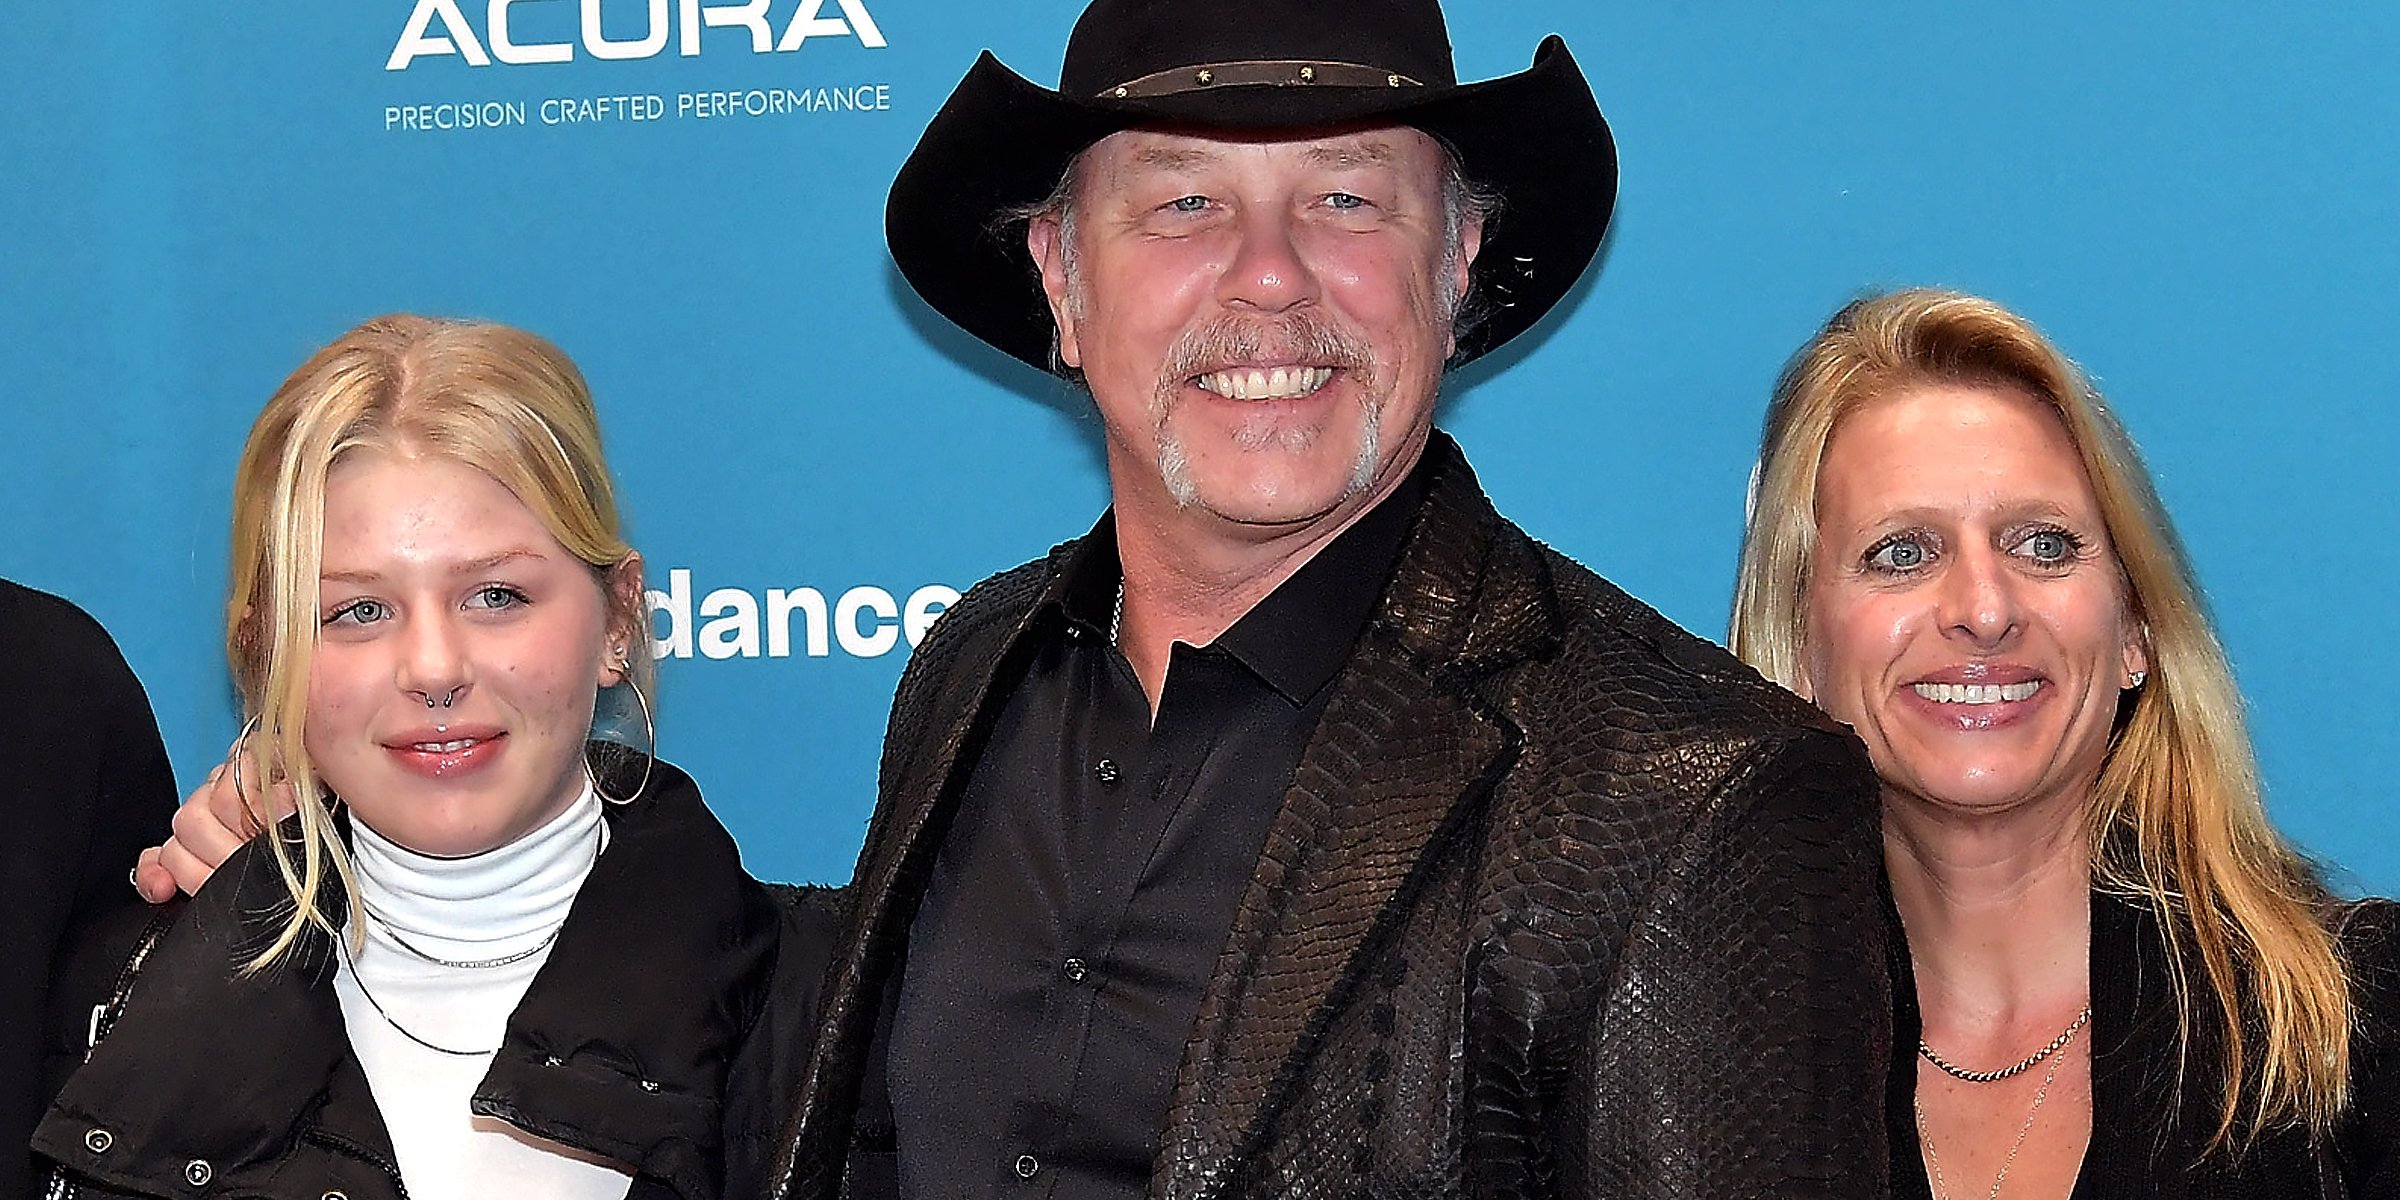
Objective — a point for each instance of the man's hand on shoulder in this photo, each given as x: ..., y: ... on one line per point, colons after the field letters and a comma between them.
x: 219, y: 815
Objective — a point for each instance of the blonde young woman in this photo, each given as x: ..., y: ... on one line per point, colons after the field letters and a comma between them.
x: 2120, y: 980
x: 483, y: 957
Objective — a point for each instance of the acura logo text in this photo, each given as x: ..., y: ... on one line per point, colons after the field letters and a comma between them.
x: 438, y: 28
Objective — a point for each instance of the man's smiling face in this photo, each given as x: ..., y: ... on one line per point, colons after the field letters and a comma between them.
x: 1262, y: 322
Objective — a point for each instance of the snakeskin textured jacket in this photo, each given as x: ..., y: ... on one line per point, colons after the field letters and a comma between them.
x: 1562, y: 901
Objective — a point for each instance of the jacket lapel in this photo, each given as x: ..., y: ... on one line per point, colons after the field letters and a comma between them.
x: 918, y: 794
x: 1405, y: 751
x: 644, y: 1037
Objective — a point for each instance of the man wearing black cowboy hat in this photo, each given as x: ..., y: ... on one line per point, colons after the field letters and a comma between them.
x: 1306, y: 829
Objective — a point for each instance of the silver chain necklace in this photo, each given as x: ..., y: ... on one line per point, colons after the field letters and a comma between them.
x: 403, y: 1030
x: 471, y: 964
x: 1941, y: 1190
x: 480, y: 964
x: 2019, y: 1067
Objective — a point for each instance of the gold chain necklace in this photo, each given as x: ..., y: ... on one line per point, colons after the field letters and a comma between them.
x: 2016, y: 1068
x: 1941, y: 1190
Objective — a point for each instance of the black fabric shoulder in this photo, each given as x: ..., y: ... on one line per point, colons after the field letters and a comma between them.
x: 2370, y: 945
x: 2369, y: 1139
x: 58, y: 635
x: 94, y: 974
x: 1682, y: 708
x: 1596, y: 609
x: 85, y: 781
x: 989, y: 611
x: 2370, y: 933
x: 809, y: 906
x: 773, y: 1056
x: 998, y: 599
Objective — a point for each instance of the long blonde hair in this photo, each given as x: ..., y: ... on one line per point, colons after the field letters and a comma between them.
x: 501, y: 400
x: 2176, y: 820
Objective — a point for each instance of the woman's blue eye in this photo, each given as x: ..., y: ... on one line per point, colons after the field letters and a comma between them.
x: 358, y: 612
x: 2050, y: 546
x: 1898, y: 554
x: 1188, y: 203
x: 496, y: 596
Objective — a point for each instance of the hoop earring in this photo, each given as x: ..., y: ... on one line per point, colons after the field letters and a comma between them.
x: 233, y: 765
x: 649, y: 751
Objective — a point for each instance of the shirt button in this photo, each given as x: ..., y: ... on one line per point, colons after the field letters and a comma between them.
x: 1106, y: 772
x: 1028, y: 1166
x: 1075, y: 970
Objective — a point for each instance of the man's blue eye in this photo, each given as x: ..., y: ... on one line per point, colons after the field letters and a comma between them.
x: 1188, y: 203
x: 1346, y: 200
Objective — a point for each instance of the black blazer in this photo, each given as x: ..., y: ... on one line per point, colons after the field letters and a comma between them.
x: 1562, y: 901
x: 84, y: 786
x: 2147, y: 1138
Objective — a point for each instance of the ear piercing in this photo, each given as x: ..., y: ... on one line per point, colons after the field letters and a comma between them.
x: 2137, y: 678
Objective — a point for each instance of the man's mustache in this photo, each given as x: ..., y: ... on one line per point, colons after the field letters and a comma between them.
x: 1301, y: 336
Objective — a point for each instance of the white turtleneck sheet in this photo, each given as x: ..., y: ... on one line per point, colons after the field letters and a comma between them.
x: 487, y: 907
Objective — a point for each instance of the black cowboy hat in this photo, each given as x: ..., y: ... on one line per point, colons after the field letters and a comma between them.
x: 1001, y: 143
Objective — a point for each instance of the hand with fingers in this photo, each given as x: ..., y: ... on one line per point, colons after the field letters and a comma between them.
x: 229, y: 808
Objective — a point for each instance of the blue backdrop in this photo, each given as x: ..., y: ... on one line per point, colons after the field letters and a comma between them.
x: 2194, y: 198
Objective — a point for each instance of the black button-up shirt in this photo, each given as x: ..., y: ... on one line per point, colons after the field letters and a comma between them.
x: 1081, y: 897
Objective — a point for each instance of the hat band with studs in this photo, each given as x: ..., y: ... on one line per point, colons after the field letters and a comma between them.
x: 1273, y: 72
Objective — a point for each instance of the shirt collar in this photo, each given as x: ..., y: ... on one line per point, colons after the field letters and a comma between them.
x: 1296, y: 639
x: 1085, y: 592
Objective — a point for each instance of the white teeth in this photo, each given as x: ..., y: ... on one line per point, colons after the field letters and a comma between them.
x: 1977, y: 693
x: 1281, y: 383
x: 443, y: 747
